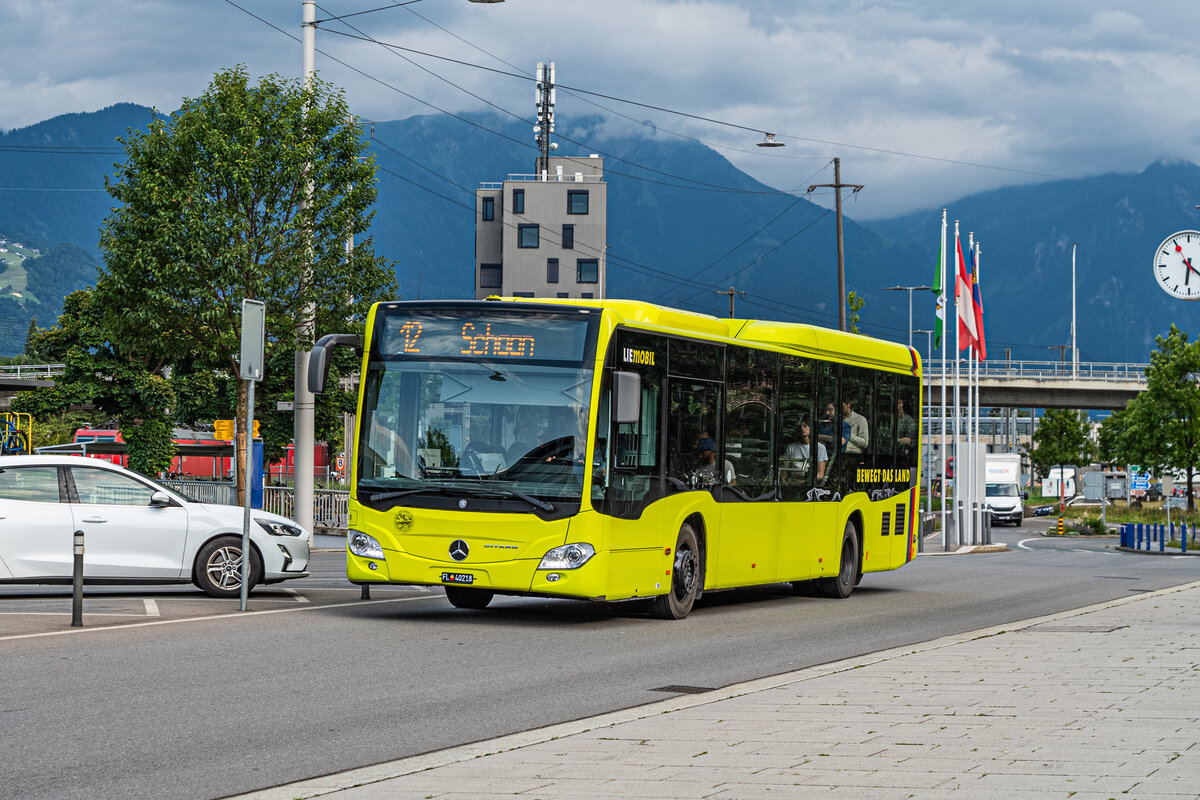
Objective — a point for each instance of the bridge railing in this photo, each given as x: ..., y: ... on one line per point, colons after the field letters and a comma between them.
x: 31, y: 372
x: 1046, y: 370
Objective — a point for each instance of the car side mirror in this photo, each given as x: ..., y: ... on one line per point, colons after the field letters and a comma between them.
x: 160, y: 499
x: 1024, y: 495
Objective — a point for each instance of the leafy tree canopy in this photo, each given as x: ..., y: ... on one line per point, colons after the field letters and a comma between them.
x: 1061, y: 438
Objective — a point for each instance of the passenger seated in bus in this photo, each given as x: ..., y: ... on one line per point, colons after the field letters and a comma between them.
x: 826, y: 431
x: 858, y: 438
x: 906, y: 429
x: 707, y: 452
x: 797, y: 455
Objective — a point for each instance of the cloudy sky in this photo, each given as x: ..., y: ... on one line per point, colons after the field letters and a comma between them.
x: 923, y: 100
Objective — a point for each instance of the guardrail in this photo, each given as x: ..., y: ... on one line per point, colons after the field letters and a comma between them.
x: 1045, y: 370
x: 331, y: 507
x: 31, y: 372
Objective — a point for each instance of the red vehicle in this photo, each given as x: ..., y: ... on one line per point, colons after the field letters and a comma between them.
x: 206, y: 466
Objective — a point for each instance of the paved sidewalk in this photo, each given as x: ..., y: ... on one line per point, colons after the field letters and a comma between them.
x: 1098, y: 703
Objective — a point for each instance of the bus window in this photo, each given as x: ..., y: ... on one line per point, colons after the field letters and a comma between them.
x: 803, y: 458
x: 750, y: 422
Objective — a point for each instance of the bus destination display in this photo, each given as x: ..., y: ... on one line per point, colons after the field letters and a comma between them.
x: 485, y: 337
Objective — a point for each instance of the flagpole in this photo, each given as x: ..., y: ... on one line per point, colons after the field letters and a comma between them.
x: 957, y: 410
x: 972, y: 420
x: 978, y: 433
x: 942, y: 408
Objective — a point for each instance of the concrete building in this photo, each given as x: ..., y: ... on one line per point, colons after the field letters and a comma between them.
x: 543, y: 235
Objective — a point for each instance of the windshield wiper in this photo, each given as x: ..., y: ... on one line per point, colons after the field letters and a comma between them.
x: 473, y: 490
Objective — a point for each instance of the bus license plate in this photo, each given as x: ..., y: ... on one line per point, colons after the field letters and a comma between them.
x: 457, y: 577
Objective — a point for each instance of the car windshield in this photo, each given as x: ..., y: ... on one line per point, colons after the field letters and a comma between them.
x: 1002, y: 490
x: 488, y: 425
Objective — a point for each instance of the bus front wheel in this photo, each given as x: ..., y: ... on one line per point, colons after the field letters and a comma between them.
x: 475, y: 599
x: 844, y: 582
x: 685, y: 579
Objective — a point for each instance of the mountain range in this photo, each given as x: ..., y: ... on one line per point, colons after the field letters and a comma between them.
x: 684, y: 226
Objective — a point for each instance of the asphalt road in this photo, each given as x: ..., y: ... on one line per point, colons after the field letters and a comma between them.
x: 201, y: 701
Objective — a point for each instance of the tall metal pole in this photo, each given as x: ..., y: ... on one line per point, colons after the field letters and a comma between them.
x: 1074, y: 349
x: 910, y: 290
x: 304, y: 436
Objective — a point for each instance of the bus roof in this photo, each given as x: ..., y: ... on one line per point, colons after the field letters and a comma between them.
x: 798, y: 337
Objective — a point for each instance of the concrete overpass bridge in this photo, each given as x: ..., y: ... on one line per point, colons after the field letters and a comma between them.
x: 1042, y: 384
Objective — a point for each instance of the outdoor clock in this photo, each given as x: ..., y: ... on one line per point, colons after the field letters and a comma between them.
x: 1177, y: 265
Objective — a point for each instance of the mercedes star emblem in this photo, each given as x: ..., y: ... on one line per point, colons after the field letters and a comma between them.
x: 459, y: 550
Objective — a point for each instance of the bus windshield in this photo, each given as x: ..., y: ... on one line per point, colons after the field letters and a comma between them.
x: 459, y: 406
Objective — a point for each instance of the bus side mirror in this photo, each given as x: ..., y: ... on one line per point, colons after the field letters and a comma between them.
x: 627, y: 397
x: 318, y: 359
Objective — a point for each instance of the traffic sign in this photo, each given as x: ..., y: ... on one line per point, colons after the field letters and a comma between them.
x: 1140, y: 483
x: 224, y: 429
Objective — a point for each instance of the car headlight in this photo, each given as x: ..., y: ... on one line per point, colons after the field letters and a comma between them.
x: 276, y: 528
x: 364, y: 545
x: 569, y: 556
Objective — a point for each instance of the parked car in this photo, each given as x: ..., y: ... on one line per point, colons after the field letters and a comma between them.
x: 1081, y: 501
x: 135, y: 530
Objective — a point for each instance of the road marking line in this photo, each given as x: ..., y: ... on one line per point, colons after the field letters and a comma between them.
x: 151, y: 607
x: 208, y: 618
x: 299, y: 597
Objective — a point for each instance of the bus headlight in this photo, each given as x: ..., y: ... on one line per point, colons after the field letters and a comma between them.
x: 569, y: 556
x: 361, y: 544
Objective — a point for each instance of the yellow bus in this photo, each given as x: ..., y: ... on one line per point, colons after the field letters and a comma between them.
x: 618, y: 450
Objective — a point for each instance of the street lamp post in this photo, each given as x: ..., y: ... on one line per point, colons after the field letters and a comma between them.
x: 910, y: 290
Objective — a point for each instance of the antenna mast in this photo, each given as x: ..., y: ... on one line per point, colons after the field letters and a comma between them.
x: 545, y: 117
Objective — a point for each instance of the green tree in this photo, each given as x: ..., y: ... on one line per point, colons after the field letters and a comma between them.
x: 132, y: 390
x: 1160, y: 428
x: 855, y: 302
x: 246, y: 192
x: 1061, y: 438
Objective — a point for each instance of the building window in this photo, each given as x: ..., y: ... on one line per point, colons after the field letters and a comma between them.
x: 527, y: 235
x: 523, y: 294
x: 577, y: 201
x: 551, y: 270
x: 587, y: 270
x: 568, y: 237
x: 563, y: 294
x: 489, y: 209
x: 518, y: 201
x: 490, y: 276
x: 585, y: 295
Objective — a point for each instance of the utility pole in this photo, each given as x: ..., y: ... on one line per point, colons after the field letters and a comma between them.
x: 304, y: 433
x: 731, y: 293
x: 837, y: 186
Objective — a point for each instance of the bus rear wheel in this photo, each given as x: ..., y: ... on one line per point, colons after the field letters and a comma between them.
x: 840, y: 586
x: 685, y: 579
x: 475, y: 599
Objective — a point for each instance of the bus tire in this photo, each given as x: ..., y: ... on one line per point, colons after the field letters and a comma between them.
x: 840, y: 586
x: 475, y: 599
x: 217, y: 570
x: 685, y: 578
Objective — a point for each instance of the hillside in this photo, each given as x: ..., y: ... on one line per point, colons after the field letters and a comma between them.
x: 683, y: 224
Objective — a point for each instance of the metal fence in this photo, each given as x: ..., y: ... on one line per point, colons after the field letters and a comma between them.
x: 331, y: 507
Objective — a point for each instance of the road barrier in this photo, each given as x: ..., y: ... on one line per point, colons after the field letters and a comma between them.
x: 1134, y: 534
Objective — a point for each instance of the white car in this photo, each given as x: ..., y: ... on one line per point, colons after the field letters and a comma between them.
x: 135, y: 530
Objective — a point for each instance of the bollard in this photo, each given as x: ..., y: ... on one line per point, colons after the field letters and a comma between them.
x: 1139, y: 536
x: 1162, y: 538
x: 77, y: 583
x: 366, y: 592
